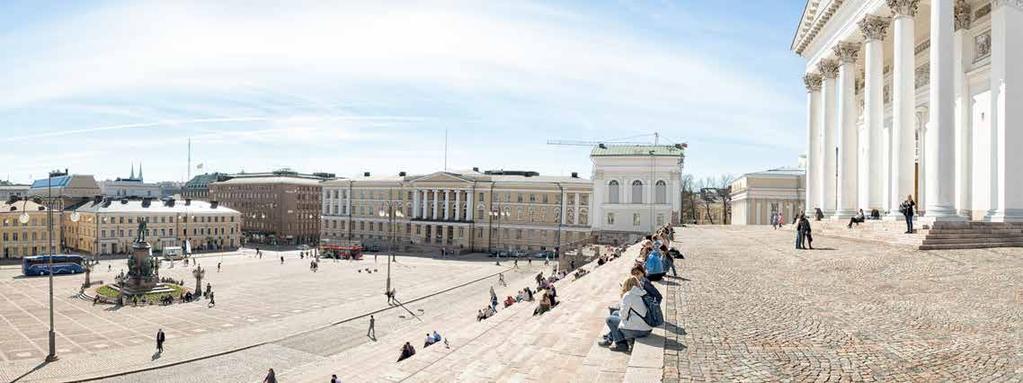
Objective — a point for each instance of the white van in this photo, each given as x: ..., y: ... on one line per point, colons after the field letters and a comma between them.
x: 173, y: 253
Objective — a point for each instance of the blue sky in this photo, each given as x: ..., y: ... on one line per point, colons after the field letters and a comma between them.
x: 348, y: 87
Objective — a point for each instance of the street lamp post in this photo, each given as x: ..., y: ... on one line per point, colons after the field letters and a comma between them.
x: 391, y: 214
x: 52, y: 356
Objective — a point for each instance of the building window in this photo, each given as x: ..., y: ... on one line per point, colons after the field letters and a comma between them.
x: 613, y: 192
x: 637, y: 191
x: 660, y: 219
x: 661, y: 192
x: 610, y: 218
x: 635, y: 219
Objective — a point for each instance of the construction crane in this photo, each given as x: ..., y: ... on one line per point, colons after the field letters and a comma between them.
x: 616, y: 141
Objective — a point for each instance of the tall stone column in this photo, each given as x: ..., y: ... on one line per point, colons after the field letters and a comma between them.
x: 962, y: 58
x: 424, y: 203
x: 903, y: 141
x: 436, y: 203
x: 575, y: 218
x: 848, y: 135
x: 940, y: 136
x: 415, y: 203
x: 1007, y: 106
x: 470, y: 208
x: 829, y: 124
x: 813, y: 142
x: 458, y: 205
x: 874, y: 29
x: 447, y: 205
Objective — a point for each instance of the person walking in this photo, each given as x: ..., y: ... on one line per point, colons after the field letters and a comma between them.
x: 371, y: 332
x: 218, y: 267
x: 774, y: 220
x: 908, y: 208
x: 212, y: 302
x: 805, y: 222
x: 160, y: 337
x: 270, y: 377
x: 334, y: 379
x: 800, y: 235
x: 282, y: 259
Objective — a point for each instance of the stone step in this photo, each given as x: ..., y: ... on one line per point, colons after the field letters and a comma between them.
x: 970, y: 246
x: 951, y: 241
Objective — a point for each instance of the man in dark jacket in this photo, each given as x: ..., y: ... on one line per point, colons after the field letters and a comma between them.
x: 908, y: 208
x: 804, y: 229
x: 160, y: 337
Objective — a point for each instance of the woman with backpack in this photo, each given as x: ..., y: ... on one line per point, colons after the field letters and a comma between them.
x: 654, y: 265
x: 629, y: 321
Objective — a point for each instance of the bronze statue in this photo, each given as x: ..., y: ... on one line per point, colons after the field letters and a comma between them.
x: 141, y: 237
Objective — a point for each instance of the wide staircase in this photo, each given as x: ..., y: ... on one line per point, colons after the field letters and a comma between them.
x: 929, y: 235
x: 886, y: 231
x: 513, y: 345
x: 973, y: 235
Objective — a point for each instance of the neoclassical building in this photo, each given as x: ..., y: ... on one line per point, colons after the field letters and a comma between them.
x: 757, y: 196
x: 458, y: 210
x: 637, y: 189
x: 914, y: 97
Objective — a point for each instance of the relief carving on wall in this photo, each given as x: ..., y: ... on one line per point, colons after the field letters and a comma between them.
x: 923, y: 75
x: 982, y: 46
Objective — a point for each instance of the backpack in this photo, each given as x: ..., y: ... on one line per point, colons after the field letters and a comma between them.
x: 654, y: 317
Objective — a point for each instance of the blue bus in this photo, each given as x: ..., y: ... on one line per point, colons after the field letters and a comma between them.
x: 62, y: 264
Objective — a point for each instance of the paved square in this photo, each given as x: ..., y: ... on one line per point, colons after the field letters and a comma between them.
x: 752, y: 308
x: 258, y: 300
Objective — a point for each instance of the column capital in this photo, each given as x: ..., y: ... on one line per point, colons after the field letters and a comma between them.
x: 963, y: 15
x: 828, y: 68
x: 999, y: 3
x: 812, y: 82
x: 847, y: 52
x: 904, y: 8
x: 874, y: 27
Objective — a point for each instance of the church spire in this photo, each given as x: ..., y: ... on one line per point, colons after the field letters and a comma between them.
x: 132, y: 176
x: 140, y: 171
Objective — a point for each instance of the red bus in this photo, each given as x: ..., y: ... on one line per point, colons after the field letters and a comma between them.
x: 341, y: 251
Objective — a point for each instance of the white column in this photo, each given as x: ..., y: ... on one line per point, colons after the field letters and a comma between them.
x: 847, y: 132
x: 828, y: 124
x: 874, y: 29
x: 903, y: 141
x: 1007, y: 106
x: 470, y: 208
x: 575, y: 217
x: 447, y: 205
x: 424, y: 201
x: 564, y: 207
x: 813, y: 152
x: 962, y: 57
x: 436, y: 204
x: 940, y: 154
x: 458, y: 205
x: 415, y: 203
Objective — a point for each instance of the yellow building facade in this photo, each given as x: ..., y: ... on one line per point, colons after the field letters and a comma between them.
x: 459, y: 211
x: 111, y: 225
x: 20, y: 237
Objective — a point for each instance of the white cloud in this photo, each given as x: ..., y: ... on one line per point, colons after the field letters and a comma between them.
x: 594, y: 75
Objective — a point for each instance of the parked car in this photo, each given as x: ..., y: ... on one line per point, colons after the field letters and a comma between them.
x: 545, y: 254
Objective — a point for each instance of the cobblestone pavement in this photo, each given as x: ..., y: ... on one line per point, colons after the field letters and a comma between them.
x: 749, y: 307
x: 258, y: 300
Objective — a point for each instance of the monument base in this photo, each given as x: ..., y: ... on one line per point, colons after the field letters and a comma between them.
x: 143, y: 290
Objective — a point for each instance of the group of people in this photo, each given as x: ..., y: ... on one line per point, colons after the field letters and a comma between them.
x: 407, y: 350
x: 804, y: 239
x: 638, y: 311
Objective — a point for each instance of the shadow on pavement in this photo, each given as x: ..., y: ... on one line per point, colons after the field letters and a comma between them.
x: 34, y: 369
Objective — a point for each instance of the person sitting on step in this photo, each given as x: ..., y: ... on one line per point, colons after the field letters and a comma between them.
x: 857, y: 219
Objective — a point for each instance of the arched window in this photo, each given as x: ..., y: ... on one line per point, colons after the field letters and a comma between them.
x: 637, y: 191
x: 661, y: 192
x: 613, y: 194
